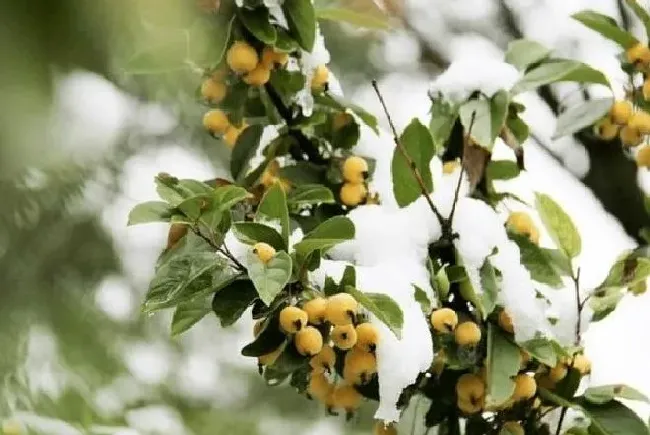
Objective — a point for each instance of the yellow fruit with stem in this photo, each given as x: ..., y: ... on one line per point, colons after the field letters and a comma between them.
x: 582, y: 364
x: 341, y: 309
x: 320, y: 77
x: 521, y: 223
x: 638, y: 54
x: 232, y: 134
x: 467, y: 334
x: 606, y: 130
x: 319, y: 387
x: 643, y: 157
x: 344, y: 336
x: 505, y: 322
x: 525, y: 387
x: 271, y: 58
x: 444, y: 320
x: 241, y: 57
x: 213, y: 91
x: 323, y: 361
x: 640, y: 120
x: 557, y: 373
x: 315, y: 309
x: 355, y: 169
x: 292, y: 319
x: 346, y: 397
x: 216, y: 121
x: 259, y: 76
x: 630, y: 137
x: 308, y: 341
x: 359, y: 367
x: 367, y: 337
x: 352, y: 194
x: 621, y: 112
x: 381, y: 428
x: 264, y: 252
x: 470, y: 386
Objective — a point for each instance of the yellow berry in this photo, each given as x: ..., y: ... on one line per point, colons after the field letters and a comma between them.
x: 444, y: 320
x: 320, y: 77
x: 344, y: 336
x: 643, y: 157
x: 258, y: 77
x: 638, y: 54
x: 319, y: 387
x: 340, y: 120
x: 640, y: 121
x: 269, y: 358
x: 341, y: 309
x: 232, y: 134
x: 270, y: 58
x: 216, y: 122
x: 467, y: 334
x: 630, y: 137
x: 308, y: 341
x: 355, y: 169
x: 367, y: 337
x: 523, y: 224
x: 323, y: 361
x: 213, y: 91
x: 469, y: 406
x: 557, y: 373
x: 606, y: 130
x: 525, y: 387
x: 315, y: 309
x: 292, y: 319
x: 381, y: 428
x: 505, y: 322
x: 269, y: 176
x: 353, y: 193
x: 346, y: 397
x: 359, y: 366
x: 620, y: 112
x: 450, y: 167
x: 470, y: 387
x: 241, y: 57
x: 264, y: 252
x: 512, y: 428
x: 582, y: 364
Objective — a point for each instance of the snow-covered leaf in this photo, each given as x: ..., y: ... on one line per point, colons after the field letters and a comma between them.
x: 626, y: 272
x: 418, y: 144
x: 230, y: 302
x: 310, y: 194
x: 258, y: 23
x: 641, y: 12
x: 354, y: 18
x: 273, y: 207
x: 536, y: 261
x: 559, y: 225
x: 187, y: 314
x: 490, y: 287
x: 582, y: 115
x: 606, y: 26
x: 502, y: 364
x: 605, y: 393
x: 559, y: 70
x: 523, y: 52
x: 270, y: 278
x: 301, y: 18
x: 604, y: 301
x: 542, y: 350
x: 443, y: 118
x: 486, y: 117
x: 253, y: 232
x: 151, y: 211
x: 245, y: 148
x: 382, y: 306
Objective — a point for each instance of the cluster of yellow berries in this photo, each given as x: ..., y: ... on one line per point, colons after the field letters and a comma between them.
x: 521, y: 223
x: 445, y: 321
x: 355, y: 172
x: 548, y: 377
x: 629, y: 125
x: 270, y: 177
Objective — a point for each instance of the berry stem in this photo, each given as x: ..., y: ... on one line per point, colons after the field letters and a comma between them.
x: 223, y: 249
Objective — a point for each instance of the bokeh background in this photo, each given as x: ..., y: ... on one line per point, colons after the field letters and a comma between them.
x: 81, y: 137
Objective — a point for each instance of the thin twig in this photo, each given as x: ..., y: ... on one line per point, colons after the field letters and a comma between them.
x: 409, y: 160
x: 223, y: 249
x: 462, y: 169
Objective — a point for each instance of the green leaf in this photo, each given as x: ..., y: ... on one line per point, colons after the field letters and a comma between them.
x: 559, y: 70
x: 310, y: 194
x: 164, y: 54
x: 518, y: 128
x: 273, y: 207
x: 253, y: 232
x: 422, y: 299
x: 151, y: 211
x: 189, y: 313
x: 382, y: 306
x: 257, y: 21
x: 231, y: 302
x: 523, y: 52
x: 270, y: 278
x: 606, y: 26
x: 418, y: 144
x: 536, y: 261
x: 613, y: 418
x: 559, y: 225
x: 269, y: 338
x: 490, y: 288
x: 303, y: 173
x: 443, y: 118
x: 325, y: 236
x: 568, y: 386
x: 349, y: 277
x: 502, y: 170
x: 301, y: 18
x: 340, y: 104
x: 626, y: 272
x: 559, y: 261
x: 641, y: 13
x: 583, y: 115
x: 606, y: 393
x: 352, y: 17
x: 542, y: 350
x: 488, y: 116
x: 442, y: 283
x: 603, y: 302
x: 207, y: 39
x: 245, y: 148
x: 502, y: 364
x: 227, y: 196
